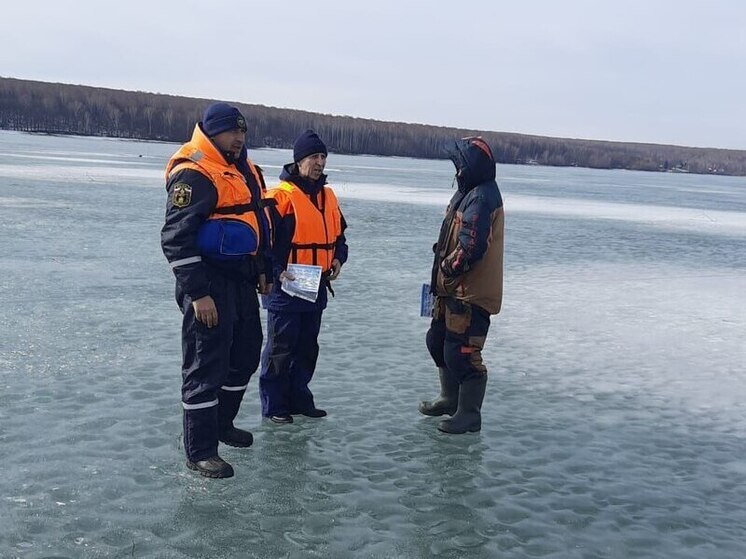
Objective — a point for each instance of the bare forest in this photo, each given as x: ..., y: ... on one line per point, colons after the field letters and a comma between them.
x: 53, y: 108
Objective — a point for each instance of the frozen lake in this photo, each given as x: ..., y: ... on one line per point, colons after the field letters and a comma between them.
x: 614, y: 423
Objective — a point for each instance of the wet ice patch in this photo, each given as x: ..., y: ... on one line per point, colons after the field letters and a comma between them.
x: 686, y: 219
x: 83, y: 174
x: 665, y: 217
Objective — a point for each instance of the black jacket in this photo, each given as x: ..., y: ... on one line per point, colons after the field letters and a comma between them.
x: 180, y: 231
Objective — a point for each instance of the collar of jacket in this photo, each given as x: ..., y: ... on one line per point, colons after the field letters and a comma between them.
x: 209, y: 150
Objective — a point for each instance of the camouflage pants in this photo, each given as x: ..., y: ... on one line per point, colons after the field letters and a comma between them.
x: 456, y: 337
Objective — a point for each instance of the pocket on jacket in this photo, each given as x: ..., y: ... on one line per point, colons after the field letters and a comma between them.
x: 448, y: 286
x: 458, y: 316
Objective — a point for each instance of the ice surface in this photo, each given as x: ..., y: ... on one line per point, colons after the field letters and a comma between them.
x: 614, y: 419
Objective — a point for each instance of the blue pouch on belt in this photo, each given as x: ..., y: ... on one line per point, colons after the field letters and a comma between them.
x: 227, y: 239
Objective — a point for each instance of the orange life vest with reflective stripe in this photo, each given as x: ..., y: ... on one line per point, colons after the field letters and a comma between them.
x: 316, y: 229
x: 235, y: 200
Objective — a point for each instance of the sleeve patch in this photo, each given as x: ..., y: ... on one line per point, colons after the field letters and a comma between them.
x: 182, y: 195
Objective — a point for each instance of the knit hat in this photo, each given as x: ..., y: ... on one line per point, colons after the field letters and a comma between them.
x: 307, y: 144
x: 221, y: 117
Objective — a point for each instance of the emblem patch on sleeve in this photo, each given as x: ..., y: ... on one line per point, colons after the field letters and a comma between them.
x: 182, y: 195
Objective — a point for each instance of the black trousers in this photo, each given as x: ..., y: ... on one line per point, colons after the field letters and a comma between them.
x: 217, y: 362
x: 456, y: 337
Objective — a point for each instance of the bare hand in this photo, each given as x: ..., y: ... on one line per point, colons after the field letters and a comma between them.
x: 264, y: 287
x: 336, y: 267
x: 285, y: 275
x: 205, y: 311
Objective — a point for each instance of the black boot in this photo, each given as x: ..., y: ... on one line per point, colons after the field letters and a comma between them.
x: 468, y: 417
x: 230, y: 401
x: 315, y: 412
x: 232, y: 436
x: 214, y: 467
x: 200, y: 430
x: 447, y: 402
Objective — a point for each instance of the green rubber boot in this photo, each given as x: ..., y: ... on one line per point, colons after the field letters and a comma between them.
x: 447, y: 402
x: 468, y: 417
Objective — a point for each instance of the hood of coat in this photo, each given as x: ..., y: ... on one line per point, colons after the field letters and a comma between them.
x: 474, y: 162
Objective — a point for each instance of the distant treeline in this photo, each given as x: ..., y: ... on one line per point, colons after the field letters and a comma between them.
x: 33, y: 106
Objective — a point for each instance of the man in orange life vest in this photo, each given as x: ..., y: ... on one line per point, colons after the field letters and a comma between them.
x: 308, y: 229
x: 215, y: 237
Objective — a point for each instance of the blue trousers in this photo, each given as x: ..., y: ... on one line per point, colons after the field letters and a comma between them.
x: 289, y: 361
x: 217, y: 362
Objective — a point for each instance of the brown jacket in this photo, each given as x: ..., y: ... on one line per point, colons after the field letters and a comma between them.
x: 468, y: 262
x: 482, y: 285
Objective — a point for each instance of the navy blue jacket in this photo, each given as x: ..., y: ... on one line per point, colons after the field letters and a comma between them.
x: 181, y: 228
x: 284, y: 229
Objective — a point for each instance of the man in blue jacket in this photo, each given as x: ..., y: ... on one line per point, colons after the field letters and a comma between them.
x: 309, y: 230
x: 467, y: 279
x: 214, y: 238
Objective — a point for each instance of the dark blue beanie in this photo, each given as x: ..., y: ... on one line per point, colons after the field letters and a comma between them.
x: 221, y: 117
x: 307, y: 144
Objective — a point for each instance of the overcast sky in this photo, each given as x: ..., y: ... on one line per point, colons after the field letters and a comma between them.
x: 661, y: 71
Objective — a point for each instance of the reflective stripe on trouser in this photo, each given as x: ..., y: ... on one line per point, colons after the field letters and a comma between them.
x: 456, y: 337
x: 289, y: 361
x: 212, y: 360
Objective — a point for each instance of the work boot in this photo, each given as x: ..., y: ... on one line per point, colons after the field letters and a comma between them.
x: 214, y: 467
x: 315, y: 412
x: 468, y: 416
x: 447, y: 402
x: 232, y: 436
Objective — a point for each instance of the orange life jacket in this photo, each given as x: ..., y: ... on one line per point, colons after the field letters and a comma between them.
x: 235, y: 200
x: 316, y: 229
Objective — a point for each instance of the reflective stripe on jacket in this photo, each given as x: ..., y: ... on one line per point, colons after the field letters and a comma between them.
x: 317, y: 228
